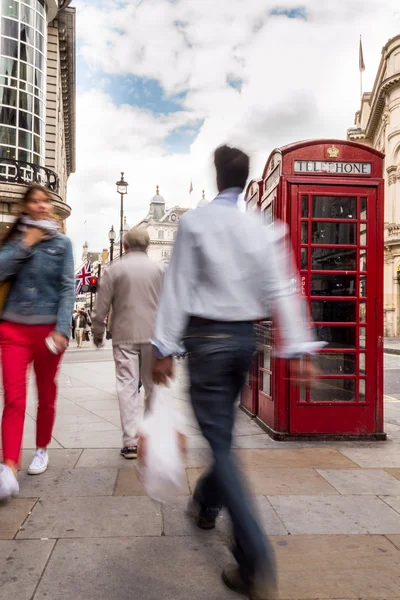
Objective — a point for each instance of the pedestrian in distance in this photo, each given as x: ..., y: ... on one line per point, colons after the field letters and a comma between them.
x: 37, y: 277
x: 80, y: 327
x: 74, y: 314
x: 225, y: 272
x: 130, y: 287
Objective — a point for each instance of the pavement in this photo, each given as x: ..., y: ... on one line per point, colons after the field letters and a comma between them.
x: 392, y: 345
x: 85, y: 529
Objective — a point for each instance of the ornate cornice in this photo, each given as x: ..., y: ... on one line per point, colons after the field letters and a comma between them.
x: 67, y: 41
x: 378, y: 103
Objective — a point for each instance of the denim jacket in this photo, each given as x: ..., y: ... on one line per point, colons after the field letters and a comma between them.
x: 42, y: 282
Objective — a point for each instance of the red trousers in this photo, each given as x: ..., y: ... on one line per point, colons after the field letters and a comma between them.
x: 20, y: 346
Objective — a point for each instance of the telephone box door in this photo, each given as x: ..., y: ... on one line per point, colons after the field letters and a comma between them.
x: 335, y: 229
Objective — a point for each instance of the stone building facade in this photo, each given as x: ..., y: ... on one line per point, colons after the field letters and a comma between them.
x: 162, y: 225
x: 377, y: 124
x: 37, y: 102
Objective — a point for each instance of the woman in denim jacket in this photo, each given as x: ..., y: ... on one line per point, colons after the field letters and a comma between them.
x: 36, y: 261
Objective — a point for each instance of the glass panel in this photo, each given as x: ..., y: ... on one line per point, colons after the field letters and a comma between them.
x: 37, y: 144
x: 26, y: 101
x: 304, y: 206
x: 26, y: 72
x: 39, y: 109
x: 40, y: 24
x: 39, y: 62
x: 22, y: 85
x: 363, y: 337
x: 9, y: 67
x: 25, y: 140
x: 8, y: 116
x: 9, y: 28
x: 304, y: 258
x: 363, y: 260
x: 9, y: 47
x: 363, y: 286
x: 362, y: 363
x: 327, y: 311
x: 27, y: 34
x: 363, y: 234
x: 362, y: 396
x: 24, y: 156
x: 25, y: 120
x: 267, y: 359
x: 39, y: 79
x: 333, y: 285
x: 27, y: 53
x: 331, y: 390
x: 363, y: 208
x: 334, y: 233
x: 334, y: 259
x: 269, y: 214
x: 266, y: 383
x: 6, y: 152
x: 334, y: 207
x: 27, y: 15
x: 36, y: 159
x: 8, y: 136
x: 336, y: 336
x: 40, y: 7
x: 337, y: 363
x: 39, y: 42
x: 39, y: 127
x: 303, y: 392
x: 304, y: 232
x: 10, y: 8
x: 363, y: 312
x: 8, y: 96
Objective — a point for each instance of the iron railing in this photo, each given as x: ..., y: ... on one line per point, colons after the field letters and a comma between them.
x: 17, y: 171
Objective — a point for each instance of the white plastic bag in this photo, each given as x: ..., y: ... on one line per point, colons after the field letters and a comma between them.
x: 161, y: 449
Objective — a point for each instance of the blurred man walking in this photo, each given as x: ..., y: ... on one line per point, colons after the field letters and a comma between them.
x: 131, y: 287
x: 225, y: 270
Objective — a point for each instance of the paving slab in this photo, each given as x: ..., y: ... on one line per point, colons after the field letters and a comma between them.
x: 394, y: 502
x: 277, y: 482
x: 90, y: 439
x: 331, y: 567
x: 375, y: 482
x: 29, y: 442
x: 103, y: 458
x: 68, y: 483
x: 395, y: 539
x: 155, y: 569
x: 93, y: 517
x: 394, y: 472
x: 380, y: 456
x: 178, y: 523
x: 313, y: 458
x: 128, y: 483
x: 198, y: 457
x: 259, y: 440
x: 12, y: 515
x: 87, y: 394
x: 59, y: 458
x: 21, y: 566
x: 335, y: 515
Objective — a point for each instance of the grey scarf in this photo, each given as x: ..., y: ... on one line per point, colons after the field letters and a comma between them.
x: 49, y: 226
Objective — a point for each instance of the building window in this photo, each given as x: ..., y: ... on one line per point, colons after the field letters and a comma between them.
x: 23, y: 67
x: 160, y: 235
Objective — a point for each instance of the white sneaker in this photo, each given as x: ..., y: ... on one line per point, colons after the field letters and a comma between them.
x: 9, y: 487
x: 40, y: 462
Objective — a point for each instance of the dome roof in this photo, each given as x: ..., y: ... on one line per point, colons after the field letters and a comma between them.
x: 157, y: 199
x: 203, y: 201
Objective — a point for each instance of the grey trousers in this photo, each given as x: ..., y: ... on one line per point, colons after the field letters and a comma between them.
x: 128, y: 375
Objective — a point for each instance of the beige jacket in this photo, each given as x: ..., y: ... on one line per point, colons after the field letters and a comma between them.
x: 130, y: 287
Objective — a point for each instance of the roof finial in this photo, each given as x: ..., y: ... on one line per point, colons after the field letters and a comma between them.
x: 157, y: 189
x: 204, y: 195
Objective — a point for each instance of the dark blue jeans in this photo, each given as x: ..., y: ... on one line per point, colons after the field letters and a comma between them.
x: 220, y: 355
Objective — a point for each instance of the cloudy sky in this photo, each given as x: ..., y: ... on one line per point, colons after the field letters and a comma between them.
x: 161, y: 83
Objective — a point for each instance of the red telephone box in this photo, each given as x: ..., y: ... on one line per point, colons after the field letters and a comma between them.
x: 330, y: 193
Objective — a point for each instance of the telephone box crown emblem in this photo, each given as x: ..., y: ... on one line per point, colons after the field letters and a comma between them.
x: 333, y: 152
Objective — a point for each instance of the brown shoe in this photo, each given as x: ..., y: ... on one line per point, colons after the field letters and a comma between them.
x: 262, y: 588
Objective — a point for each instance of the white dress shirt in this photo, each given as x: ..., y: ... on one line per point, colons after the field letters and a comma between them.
x: 226, y: 266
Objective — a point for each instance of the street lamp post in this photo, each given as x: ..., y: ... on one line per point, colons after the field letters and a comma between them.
x: 122, y: 189
x: 111, y: 236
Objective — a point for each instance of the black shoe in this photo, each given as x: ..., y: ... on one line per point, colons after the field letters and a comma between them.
x: 205, y: 517
x: 129, y: 452
x: 263, y: 587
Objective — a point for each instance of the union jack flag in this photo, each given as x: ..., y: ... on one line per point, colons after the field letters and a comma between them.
x: 82, y: 277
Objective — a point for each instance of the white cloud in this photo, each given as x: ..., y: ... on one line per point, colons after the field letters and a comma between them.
x: 300, y: 80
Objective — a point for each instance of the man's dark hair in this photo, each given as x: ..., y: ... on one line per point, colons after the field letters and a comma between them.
x: 232, y: 166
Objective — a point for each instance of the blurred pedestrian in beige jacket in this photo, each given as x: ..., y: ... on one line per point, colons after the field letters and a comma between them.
x: 130, y: 288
